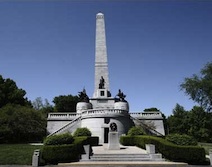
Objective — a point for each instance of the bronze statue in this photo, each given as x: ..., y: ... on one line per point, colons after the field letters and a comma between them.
x: 83, y: 97
x: 121, y: 96
x: 102, y: 83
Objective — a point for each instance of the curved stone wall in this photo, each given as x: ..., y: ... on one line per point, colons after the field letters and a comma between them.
x: 97, y: 125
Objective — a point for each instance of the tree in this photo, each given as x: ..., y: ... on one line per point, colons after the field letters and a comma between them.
x: 199, y: 88
x: 10, y: 93
x: 178, y: 121
x: 38, y: 103
x: 21, y: 124
x: 200, y: 124
x: 66, y: 103
x: 43, y: 107
x: 196, y: 123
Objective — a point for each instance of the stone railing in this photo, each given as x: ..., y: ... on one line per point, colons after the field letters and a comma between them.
x: 70, y: 124
x: 147, y: 115
x: 62, y: 116
x: 86, y: 113
x: 93, y: 112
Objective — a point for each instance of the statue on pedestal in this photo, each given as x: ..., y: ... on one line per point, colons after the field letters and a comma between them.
x: 83, y: 96
x: 102, y: 83
x: 121, y: 96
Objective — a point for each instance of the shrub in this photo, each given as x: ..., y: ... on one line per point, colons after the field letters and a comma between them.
x: 60, y: 139
x: 65, y: 153
x: 82, y: 132
x: 54, y: 154
x: 136, y: 130
x: 183, y: 140
x: 188, y: 154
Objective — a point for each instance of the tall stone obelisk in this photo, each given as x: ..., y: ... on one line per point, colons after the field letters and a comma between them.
x: 101, y: 63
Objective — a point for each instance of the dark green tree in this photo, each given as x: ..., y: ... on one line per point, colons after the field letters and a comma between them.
x: 178, y: 121
x: 200, y: 123
x: 199, y: 88
x: 66, y: 103
x: 11, y: 94
x: 21, y: 124
x: 196, y: 123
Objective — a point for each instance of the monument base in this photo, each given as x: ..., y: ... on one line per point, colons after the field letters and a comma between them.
x: 113, y: 141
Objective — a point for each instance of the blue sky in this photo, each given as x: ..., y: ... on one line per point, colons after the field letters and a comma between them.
x: 48, y: 48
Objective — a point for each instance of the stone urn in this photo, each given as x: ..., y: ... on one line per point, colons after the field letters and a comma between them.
x: 81, y: 106
x: 121, y: 105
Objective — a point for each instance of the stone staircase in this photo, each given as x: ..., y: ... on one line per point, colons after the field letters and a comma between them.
x: 66, y: 127
x: 126, y: 153
x: 120, y: 157
x: 127, y: 156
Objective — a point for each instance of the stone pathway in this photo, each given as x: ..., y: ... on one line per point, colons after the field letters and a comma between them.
x: 123, y: 150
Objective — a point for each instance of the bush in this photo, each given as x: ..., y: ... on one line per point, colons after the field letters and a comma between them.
x: 54, y: 154
x: 183, y: 140
x: 65, y: 153
x: 136, y: 130
x: 127, y: 141
x: 172, y: 152
x: 82, y: 132
x: 60, y: 139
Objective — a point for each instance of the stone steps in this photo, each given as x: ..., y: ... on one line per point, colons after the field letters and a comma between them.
x: 120, y: 157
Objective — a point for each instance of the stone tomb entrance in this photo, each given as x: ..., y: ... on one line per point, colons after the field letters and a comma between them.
x: 106, y: 132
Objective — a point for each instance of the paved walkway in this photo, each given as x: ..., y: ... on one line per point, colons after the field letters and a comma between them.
x: 123, y: 150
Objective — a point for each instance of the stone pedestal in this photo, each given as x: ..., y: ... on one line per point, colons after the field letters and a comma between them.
x: 150, y: 148
x: 35, y: 158
x: 113, y: 141
x: 86, y: 155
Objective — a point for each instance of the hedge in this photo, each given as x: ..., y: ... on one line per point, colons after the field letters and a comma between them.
x: 172, y: 152
x: 65, y: 153
x: 82, y: 132
x: 136, y: 130
x: 59, y: 153
x: 183, y: 140
x: 60, y: 139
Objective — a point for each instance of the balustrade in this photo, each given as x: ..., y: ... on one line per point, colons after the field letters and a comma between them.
x: 71, y: 116
x: 146, y: 115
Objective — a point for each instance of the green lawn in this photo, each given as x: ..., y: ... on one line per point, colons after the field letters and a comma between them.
x: 20, y: 154
x: 206, y: 146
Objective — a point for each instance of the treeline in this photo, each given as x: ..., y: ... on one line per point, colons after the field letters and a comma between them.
x: 19, y: 122
x: 24, y: 121
x: 196, y: 123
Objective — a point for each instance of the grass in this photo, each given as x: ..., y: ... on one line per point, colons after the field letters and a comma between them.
x: 20, y: 154
x: 206, y: 146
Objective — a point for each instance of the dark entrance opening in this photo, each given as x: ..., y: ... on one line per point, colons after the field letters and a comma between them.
x: 106, y: 131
